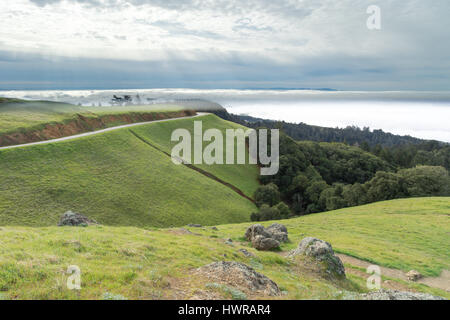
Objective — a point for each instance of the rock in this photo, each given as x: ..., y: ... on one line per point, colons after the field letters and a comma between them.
x: 414, y: 275
x: 229, y: 241
x: 246, y: 253
x: 75, y: 219
x: 266, y: 238
x: 182, y: 231
x: 261, y: 243
x: 322, y: 252
x: 254, y: 231
x: 277, y: 227
x: 387, y: 294
x: 280, y: 237
x: 214, y: 228
x: 193, y: 225
x: 240, y: 276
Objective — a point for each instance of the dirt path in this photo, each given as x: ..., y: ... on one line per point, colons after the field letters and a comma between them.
x: 90, y: 133
x: 441, y: 282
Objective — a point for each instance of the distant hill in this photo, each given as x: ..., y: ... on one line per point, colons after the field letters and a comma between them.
x: 122, y: 177
x: 351, y: 135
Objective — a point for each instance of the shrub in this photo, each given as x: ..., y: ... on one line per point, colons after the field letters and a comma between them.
x: 267, y: 194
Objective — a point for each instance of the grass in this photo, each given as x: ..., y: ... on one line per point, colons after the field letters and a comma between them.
x: 137, y: 263
x: 403, y: 234
x: 115, y: 178
x: 129, y: 263
x: 22, y: 116
x: 243, y: 176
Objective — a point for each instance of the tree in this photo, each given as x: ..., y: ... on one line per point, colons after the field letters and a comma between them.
x: 315, y: 189
x: 385, y: 186
x: 267, y: 194
x: 283, y: 210
x: 354, y: 195
x: 426, y: 181
x: 266, y: 213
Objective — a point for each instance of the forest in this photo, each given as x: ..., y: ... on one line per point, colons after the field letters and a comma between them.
x: 324, y: 169
x: 315, y: 177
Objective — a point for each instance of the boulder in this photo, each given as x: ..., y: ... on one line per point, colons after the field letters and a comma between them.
x: 277, y: 227
x: 263, y: 238
x: 256, y: 230
x: 414, y: 275
x: 278, y: 232
x: 387, y: 294
x: 70, y: 218
x: 320, y: 251
x: 246, y: 253
x: 240, y: 276
x: 262, y: 243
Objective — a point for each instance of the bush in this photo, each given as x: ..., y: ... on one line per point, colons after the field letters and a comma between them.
x: 267, y: 194
x: 283, y: 210
x: 425, y: 181
x: 265, y: 213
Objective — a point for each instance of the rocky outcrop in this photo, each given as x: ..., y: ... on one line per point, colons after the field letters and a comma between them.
x: 278, y: 232
x: 262, y: 243
x: 414, y: 275
x: 385, y: 294
x: 266, y: 238
x: 240, y: 276
x: 75, y: 219
x: 321, y: 252
x: 246, y: 253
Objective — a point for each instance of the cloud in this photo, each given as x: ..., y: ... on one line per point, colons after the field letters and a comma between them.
x: 297, y: 43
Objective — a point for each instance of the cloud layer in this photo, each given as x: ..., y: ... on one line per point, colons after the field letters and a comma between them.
x: 223, y: 43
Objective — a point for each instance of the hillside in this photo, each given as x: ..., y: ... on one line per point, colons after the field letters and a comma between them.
x: 242, y: 176
x: 117, y: 178
x: 158, y: 263
x: 351, y: 134
x: 29, y: 121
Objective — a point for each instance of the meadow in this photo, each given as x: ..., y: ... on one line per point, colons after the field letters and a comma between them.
x: 117, y: 179
x: 21, y: 116
x: 242, y: 176
x: 152, y: 263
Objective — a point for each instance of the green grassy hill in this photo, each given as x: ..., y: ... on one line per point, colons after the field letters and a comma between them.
x: 21, y: 115
x: 158, y: 263
x: 243, y: 176
x: 118, y: 179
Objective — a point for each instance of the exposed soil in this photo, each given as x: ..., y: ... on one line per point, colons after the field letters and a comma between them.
x: 82, y: 124
x: 441, y: 282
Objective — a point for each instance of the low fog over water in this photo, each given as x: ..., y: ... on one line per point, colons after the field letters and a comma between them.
x: 419, y: 114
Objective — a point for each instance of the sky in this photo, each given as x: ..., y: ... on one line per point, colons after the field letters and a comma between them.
x: 103, y: 44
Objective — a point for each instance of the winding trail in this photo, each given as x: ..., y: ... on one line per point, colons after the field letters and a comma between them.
x: 91, y: 133
x: 441, y: 282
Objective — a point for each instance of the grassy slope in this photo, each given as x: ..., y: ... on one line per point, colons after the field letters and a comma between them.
x: 31, y: 115
x: 150, y: 264
x: 403, y: 234
x: 114, y: 178
x: 242, y: 176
